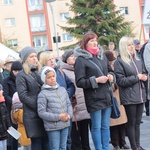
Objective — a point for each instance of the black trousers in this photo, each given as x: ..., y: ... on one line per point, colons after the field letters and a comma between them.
x: 12, y: 143
x: 80, y: 137
x: 117, y: 134
x: 134, y: 115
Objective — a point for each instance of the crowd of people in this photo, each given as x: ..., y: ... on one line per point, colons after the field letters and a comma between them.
x: 54, y: 105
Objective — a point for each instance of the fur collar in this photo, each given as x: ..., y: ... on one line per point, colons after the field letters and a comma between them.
x: 78, y: 51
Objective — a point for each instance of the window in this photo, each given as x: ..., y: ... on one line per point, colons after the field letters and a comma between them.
x: 67, y: 37
x: 13, y: 42
x: 40, y: 41
x: 35, y: 5
x: 7, y: 2
x: 10, y: 22
x: 124, y: 10
x: 37, y: 22
x: 64, y: 16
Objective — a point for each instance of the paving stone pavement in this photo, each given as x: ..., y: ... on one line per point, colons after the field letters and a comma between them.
x: 145, y: 135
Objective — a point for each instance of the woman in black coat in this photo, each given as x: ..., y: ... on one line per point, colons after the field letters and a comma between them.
x: 130, y: 75
x: 90, y: 60
x: 28, y: 87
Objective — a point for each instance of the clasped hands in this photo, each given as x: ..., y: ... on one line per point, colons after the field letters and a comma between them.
x: 104, y: 79
x: 142, y: 77
x: 64, y: 117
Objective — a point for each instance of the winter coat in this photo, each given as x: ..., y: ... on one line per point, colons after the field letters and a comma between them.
x: 131, y: 90
x: 97, y: 95
x: 51, y: 103
x: 28, y: 88
x: 64, y: 81
x: 146, y: 55
x: 9, y: 88
x: 81, y: 110
x: 18, y: 116
x: 4, y: 121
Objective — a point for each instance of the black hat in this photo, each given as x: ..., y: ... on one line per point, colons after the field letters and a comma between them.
x: 67, y: 54
x: 16, y: 66
x: 109, y: 55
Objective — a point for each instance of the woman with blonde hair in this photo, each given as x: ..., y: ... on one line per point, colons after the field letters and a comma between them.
x: 29, y: 84
x: 130, y: 75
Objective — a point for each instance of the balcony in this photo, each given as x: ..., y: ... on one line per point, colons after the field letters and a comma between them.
x: 35, y: 7
x: 38, y: 28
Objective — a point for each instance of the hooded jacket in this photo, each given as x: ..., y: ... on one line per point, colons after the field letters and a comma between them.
x: 97, y: 95
x: 52, y: 101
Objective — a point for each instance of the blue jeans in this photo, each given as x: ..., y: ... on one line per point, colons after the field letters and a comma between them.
x: 100, y: 128
x: 58, y: 139
x: 39, y: 143
x: 3, y: 145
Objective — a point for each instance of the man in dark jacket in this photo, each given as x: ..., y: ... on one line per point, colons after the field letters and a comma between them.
x: 9, y: 88
x: 7, y: 68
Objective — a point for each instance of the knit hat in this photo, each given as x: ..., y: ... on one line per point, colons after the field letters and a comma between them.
x: 44, y: 71
x: 25, y: 52
x: 15, y: 98
x: 109, y: 55
x: 9, y: 60
x: 67, y: 54
x: 16, y: 66
x: 136, y: 42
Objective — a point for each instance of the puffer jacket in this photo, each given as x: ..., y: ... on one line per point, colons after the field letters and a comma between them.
x: 97, y: 95
x: 52, y: 101
x: 18, y: 116
x: 81, y: 110
x: 131, y: 89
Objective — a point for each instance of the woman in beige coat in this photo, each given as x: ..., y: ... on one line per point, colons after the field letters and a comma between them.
x: 117, y: 126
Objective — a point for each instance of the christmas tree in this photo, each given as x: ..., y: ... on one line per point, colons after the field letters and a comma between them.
x: 99, y: 16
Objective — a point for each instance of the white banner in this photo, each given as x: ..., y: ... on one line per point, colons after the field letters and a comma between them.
x: 146, y: 14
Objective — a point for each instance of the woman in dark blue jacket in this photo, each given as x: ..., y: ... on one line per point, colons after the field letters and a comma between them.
x: 130, y: 75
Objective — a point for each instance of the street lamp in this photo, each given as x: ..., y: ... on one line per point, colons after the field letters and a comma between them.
x: 54, y: 25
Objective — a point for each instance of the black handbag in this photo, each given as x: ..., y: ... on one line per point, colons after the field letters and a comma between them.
x: 115, y: 112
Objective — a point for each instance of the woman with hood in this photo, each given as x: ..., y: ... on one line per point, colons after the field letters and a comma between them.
x: 93, y: 73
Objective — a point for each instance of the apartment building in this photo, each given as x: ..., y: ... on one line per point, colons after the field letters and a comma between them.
x: 133, y: 10
x: 35, y: 22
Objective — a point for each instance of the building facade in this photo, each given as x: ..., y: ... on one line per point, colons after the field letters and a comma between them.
x: 36, y: 22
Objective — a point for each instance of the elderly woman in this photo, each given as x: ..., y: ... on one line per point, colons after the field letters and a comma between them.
x: 92, y: 73
x: 29, y: 84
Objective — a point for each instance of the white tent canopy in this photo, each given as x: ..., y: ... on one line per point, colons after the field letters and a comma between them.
x: 6, y: 52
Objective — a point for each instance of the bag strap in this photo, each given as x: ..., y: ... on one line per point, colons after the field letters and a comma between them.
x: 96, y: 67
x: 108, y: 84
